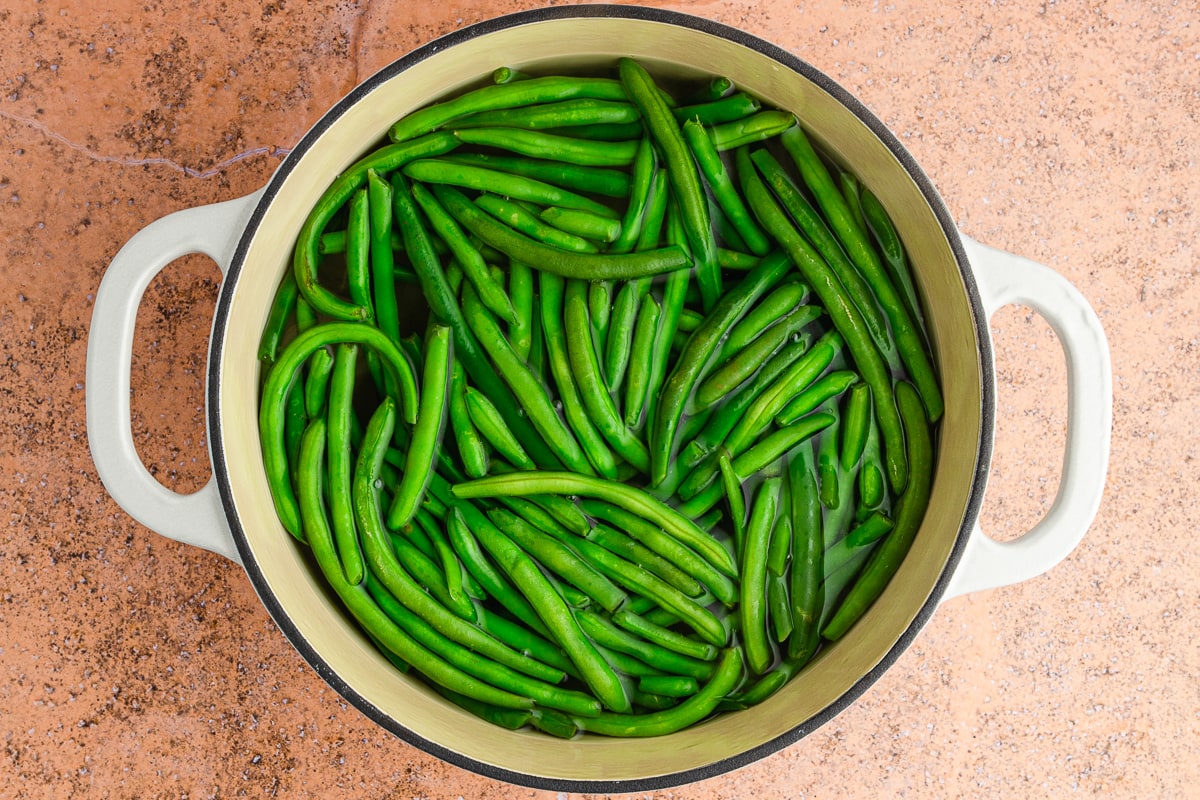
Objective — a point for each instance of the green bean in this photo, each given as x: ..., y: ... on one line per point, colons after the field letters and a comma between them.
x: 507, y: 718
x: 413, y: 533
x: 587, y: 266
x: 851, y: 194
x: 383, y: 260
x: 827, y: 387
x: 634, y: 500
x: 582, y: 223
x: 295, y: 419
x: 425, y: 572
x: 779, y: 608
x: 520, y: 292
x: 472, y: 450
x: 594, y: 445
x: 873, y: 528
x: 765, y: 686
x: 668, y: 685
x: 383, y: 563
x: 846, y: 318
x: 607, y: 634
x: 699, y: 352
x: 334, y: 242
x: 837, y: 582
x: 656, y: 212
x: 742, y: 365
x: 340, y: 462
x: 714, y: 112
x: 358, y: 601
x: 721, y: 423
x: 559, y: 558
x: 643, y: 582
x: 855, y: 425
x: 466, y: 546
x: 807, y: 591
x: 491, y: 425
x: 282, y: 308
x: 552, y: 146
x: 908, y: 338
x: 776, y: 305
x: 689, y: 712
x: 493, y: 672
x: 754, y: 128
x: 641, y: 186
x: 619, y: 340
x: 426, y: 438
x: 554, y: 723
x: 736, y: 261
x: 443, y: 305
x: 530, y: 392
x: 724, y: 192
x: 753, y: 608
x: 519, y: 637
x: 674, y: 299
x: 884, y: 232
x: 625, y: 546
x: 507, y: 95
x: 555, y: 614
x: 565, y: 512
x: 795, y: 379
x: 871, y: 488
x: 641, y: 347
x: 617, y: 132
x: 449, y: 173
x: 320, y: 364
x: 599, y: 301
x: 659, y: 541
x: 306, y: 256
x: 508, y: 75
x: 717, y: 87
x: 910, y: 510
x: 521, y: 219
x: 681, y: 170
x: 585, y: 367
x: 780, y: 547
x: 817, y: 231
x: 566, y: 113
x: 466, y: 255
x: 736, y: 499
x: 605, y: 181
x: 358, y: 243
x: 761, y: 455
x: 828, y: 463
x: 276, y: 390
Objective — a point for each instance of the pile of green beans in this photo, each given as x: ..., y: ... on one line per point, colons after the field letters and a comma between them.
x: 600, y: 402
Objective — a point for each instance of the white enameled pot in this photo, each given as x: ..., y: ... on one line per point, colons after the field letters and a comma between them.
x: 962, y: 282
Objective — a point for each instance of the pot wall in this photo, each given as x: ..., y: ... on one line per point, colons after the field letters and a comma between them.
x: 290, y: 585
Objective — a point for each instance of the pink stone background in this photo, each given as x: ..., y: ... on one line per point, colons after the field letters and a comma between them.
x: 132, y: 666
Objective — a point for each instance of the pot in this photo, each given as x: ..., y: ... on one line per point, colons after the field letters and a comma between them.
x: 962, y: 283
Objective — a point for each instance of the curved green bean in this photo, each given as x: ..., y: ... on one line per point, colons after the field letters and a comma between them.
x: 426, y: 438
x: 635, y: 500
x: 909, y: 511
x: 276, y: 389
x: 506, y: 95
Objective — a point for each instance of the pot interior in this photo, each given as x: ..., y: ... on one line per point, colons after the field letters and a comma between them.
x: 289, y: 582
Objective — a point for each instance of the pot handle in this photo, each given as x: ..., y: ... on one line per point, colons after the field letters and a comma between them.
x: 1004, y: 279
x: 196, y: 518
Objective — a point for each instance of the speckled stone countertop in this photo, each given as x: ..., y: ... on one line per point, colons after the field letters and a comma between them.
x: 133, y: 666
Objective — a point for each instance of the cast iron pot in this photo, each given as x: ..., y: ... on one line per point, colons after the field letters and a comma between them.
x: 962, y: 283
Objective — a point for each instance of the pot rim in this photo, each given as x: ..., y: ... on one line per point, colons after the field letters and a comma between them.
x: 785, y: 59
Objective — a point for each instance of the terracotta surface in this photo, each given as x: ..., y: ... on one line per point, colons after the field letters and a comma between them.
x: 132, y: 666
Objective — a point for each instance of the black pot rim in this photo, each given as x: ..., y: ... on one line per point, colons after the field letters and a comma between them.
x: 983, y: 456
